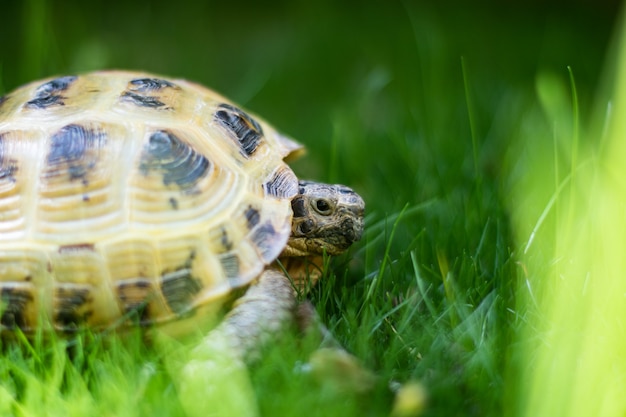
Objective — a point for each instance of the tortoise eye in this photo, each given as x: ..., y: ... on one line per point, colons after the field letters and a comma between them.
x: 322, y: 207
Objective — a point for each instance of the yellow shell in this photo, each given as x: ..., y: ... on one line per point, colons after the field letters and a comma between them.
x: 127, y: 198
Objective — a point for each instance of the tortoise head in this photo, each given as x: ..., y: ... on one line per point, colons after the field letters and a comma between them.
x: 326, y: 218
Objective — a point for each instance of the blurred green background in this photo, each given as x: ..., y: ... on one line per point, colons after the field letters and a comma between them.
x: 415, y: 104
x: 391, y: 65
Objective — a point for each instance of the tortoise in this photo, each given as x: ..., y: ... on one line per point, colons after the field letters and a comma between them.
x: 128, y: 199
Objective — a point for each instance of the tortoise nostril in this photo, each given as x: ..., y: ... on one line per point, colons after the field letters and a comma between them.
x: 306, y: 227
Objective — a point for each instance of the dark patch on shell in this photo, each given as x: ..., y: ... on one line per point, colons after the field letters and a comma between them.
x: 55, y: 86
x: 135, y: 297
x: 45, y: 102
x: 282, y: 184
x: 14, y: 304
x: 141, y: 100
x: 49, y: 94
x: 252, y: 217
x: 262, y: 237
x: 227, y: 244
x: 2, y: 100
x: 150, y: 84
x: 140, y: 92
x: 69, y: 147
x: 173, y: 203
x: 8, y: 165
x: 77, y: 247
x: 179, y: 286
x: 230, y: 264
x: 246, y: 130
x: 174, y: 159
x: 70, y: 312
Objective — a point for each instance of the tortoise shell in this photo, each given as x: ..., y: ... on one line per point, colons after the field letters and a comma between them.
x: 127, y: 198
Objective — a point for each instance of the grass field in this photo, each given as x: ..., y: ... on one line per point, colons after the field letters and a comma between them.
x: 473, y: 132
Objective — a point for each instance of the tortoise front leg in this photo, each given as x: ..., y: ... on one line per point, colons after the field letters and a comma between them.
x: 213, y: 380
x: 256, y: 318
x: 266, y: 309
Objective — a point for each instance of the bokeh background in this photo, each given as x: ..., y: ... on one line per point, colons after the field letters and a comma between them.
x: 421, y: 106
x: 391, y: 65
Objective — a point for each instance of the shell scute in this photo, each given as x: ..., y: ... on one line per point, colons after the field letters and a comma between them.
x: 79, y: 185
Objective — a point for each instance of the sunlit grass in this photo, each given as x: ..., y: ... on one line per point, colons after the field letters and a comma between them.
x: 83, y: 376
x: 572, y: 345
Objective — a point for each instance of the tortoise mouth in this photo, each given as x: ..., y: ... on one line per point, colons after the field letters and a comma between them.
x: 339, y: 238
x: 352, y: 231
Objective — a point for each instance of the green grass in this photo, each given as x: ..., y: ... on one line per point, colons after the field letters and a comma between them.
x: 445, y: 118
